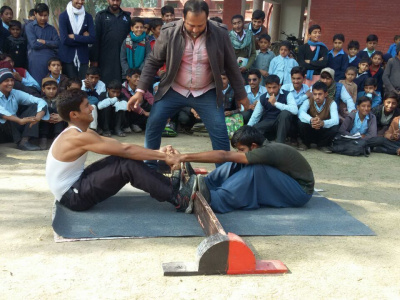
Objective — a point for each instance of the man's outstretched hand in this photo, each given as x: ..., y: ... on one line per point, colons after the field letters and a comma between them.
x: 135, y: 101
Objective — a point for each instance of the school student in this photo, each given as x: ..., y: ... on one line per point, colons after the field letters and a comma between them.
x: 353, y: 47
x: 256, y: 26
x: 372, y: 42
x: 348, y: 82
x: 92, y: 85
x: 6, y: 15
x: 273, y: 113
x: 43, y: 42
x: 313, y: 56
x: 390, y: 142
x: 135, y: 48
x: 362, y: 75
x: 20, y: 113
x: 386, y: 112
x: 55, y: 125
x: 362, y: 121
x: 16, y: 46
x: 337, y: 58
x: 264, y: 57
x: 112, y: 110
x: 254, y: 91
x: 55, y: 67
x: 167, y: 14
x: 392, y: 47
x: 391, y: 75
x: 282, y: 64
x: 376, y: 70
x: 370, y: 91
x: 319, y: 119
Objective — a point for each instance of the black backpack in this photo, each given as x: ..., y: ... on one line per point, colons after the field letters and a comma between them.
x: 351, y: 147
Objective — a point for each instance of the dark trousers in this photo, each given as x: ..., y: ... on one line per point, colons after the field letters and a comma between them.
x: 133, y: 118
x: 323, y: 137
x: 110, y: 119
x: 381, y: 144
x: 49, y: 130
x: 27, y: 89
x: 71, y: 71
x: 246, y: 115
x: 278, y: 128
x: 107, y: 176
x: 186, y: 118
x: 19, y: 131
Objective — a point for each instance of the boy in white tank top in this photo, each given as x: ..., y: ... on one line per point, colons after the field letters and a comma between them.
x: 80, y: 188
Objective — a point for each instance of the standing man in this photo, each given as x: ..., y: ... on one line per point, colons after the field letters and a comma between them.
x: 196, y: 51
x: 76, y: 33
x: 112, y: 27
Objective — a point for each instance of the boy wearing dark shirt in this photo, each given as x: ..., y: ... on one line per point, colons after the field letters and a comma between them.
x: 259, y: 168
x: 16, y: 46
x: 353, y: 47
x: 372, y: 42
x: 55, y: 67
x: 363, y: 68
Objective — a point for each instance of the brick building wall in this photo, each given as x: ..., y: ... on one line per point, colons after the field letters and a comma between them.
x: 356, y: 20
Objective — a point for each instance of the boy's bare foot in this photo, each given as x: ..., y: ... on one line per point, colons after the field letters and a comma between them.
x: 398, y: 151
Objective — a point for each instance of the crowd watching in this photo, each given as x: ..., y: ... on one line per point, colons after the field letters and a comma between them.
x: 321, y: 95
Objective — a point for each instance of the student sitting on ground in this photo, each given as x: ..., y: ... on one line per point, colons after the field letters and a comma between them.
x: 386, y: 112
x: 391, y: 75
x: 362, y: 75
x: 313, y: 56
x: 352, y: 48
x: 135, y: 48
x: 92, y: 85
x: 348, y: 83
x: 338, y: 93
x: 16, y: 46
x: 371, y: 92
x: 23, y: 80
x: 233, y: 118
x: 79, y: 188
x: 137, y: 117
x: 55, y: 67
x: 273, y: 113
x: 282, y: 64
x: 319, y: 119
x: 254, y: 91
x: 337, y: 58
x: 259, y: 174
x: 20, y: 113
x: 390, y: 142
x: 372, y: 42
x: 112, y: 110
x: 50, y: 128
x: 264, y: 57
x: 362, y: 121
x: 376, y: 70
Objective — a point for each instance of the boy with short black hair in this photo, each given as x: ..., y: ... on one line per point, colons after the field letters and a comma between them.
x: 282, y: 64
x: 370, y: 91
x: 362, y: 75
x: 6, y: 15
x: 137, y: 118
x: 256, y: 26
x: 313, y: 55
x: 352, y: 48
x: 55, y: 125
x: 16, y: 46
x: 376, y: 70
x: 167, y: 14
x: 372, y: 42
x: 386, y: 112
x: 337, y: 58
x: 273, y: 113
x: 319, y: 119
x: 254, y: 91
x: 392, y: 48
x: 74, y: 83
x: 54, y: 66
x: 155, y: 28
x: 264, y: 57
x: 112, y: 110
x: 92, y: 85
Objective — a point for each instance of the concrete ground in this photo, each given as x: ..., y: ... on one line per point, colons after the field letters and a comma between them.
x: 33, y: 266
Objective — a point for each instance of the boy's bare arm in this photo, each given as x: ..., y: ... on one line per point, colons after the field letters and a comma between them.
x: 91, y: 141
x: 216, y: 156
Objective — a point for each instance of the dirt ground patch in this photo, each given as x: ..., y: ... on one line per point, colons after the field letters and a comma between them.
x: 33, y: 266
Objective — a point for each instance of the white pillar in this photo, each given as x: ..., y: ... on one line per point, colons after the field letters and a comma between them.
x: 275, y: 22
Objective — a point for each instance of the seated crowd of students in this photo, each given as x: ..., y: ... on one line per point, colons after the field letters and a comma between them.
x: 309, y: 100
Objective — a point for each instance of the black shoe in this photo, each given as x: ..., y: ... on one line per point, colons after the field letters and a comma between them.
x: 176, y: 180
x: 203, y: 189
x: 189, y: 170
x: 184, y: 198
x: 28, y: 147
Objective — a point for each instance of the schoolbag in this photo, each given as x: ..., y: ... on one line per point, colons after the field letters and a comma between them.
x: 351, y: 147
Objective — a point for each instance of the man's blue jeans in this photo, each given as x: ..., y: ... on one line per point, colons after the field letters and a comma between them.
x: 205, y: 105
